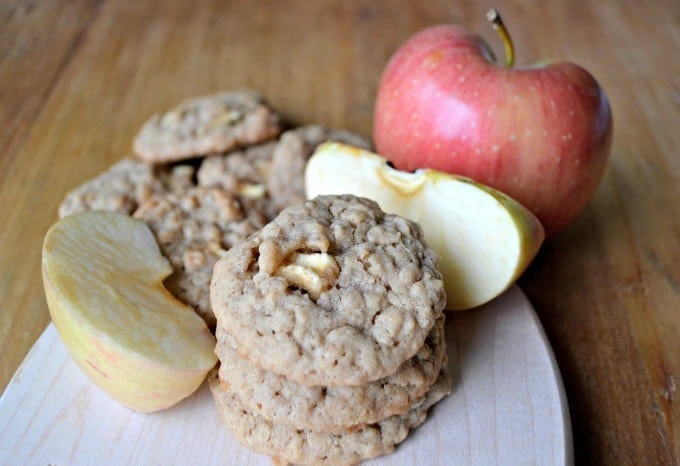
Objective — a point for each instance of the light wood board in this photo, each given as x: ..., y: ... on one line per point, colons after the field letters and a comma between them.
x: 507, y: 407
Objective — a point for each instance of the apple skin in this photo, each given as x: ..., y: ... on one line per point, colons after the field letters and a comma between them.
x: 542, y: 135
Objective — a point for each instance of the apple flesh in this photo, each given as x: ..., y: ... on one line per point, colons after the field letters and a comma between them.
x: 103, y: 274
x: 542, y: 135
x: 484, y: 239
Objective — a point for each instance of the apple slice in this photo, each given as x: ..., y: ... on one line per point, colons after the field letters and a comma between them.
x: 103, y: 276
x: 485, y: 239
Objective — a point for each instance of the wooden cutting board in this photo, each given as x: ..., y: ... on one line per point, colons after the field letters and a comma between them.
x: 507, y: 407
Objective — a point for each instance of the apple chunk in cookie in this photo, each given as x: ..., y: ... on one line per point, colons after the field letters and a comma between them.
x: 103, y: 276
x: 484, y: 239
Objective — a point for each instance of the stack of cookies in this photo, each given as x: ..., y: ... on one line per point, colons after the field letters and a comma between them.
x: 328, y: 313
x: 330, y: 333
x: 206, y: 175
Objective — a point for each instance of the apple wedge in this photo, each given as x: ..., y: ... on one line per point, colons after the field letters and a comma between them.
x: 103, y: 276
x: 484, y: 239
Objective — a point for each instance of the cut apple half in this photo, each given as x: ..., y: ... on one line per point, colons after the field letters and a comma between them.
x: 103, y: 276
x: 484, y: 239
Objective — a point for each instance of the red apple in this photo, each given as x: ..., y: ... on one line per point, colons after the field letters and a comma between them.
x: 541, y: 134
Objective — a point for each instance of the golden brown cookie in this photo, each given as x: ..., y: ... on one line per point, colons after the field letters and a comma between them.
x: 302, y: 446
x: 207, y: 125
x: 295, y: 146
x: 124, y: 185
x: 333, y: 292
x: 194, y: 229
x: 330, y: 409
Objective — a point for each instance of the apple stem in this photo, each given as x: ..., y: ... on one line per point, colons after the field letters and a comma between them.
x: 497, y: 23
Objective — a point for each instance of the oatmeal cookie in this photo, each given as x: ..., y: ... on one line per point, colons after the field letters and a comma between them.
x: 206, y: 125
x: 286, y: 185
x: 194, y: 229
x: 332, y: 292
x: 243, y: 172
x: 330, y: 409
x: 124, y: 186
x: 303, y: 446
x: 238, y: 171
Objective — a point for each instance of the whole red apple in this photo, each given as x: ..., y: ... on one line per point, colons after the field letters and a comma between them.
x: 542, y: 134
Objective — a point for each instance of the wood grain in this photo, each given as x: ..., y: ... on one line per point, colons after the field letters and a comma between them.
x: 78, y: 78
x: 37, y: 42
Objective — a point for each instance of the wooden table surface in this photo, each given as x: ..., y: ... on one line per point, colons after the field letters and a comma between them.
x: 78, y: 78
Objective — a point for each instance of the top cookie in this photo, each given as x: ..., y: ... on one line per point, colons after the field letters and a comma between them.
x: 332, y: 292
x: 207, y: 125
